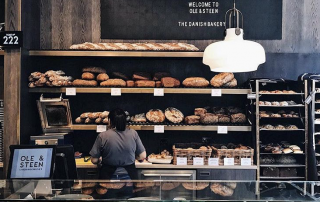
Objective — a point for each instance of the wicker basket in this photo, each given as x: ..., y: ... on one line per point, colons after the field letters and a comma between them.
x: 184, y: 150
x: 237, y: 154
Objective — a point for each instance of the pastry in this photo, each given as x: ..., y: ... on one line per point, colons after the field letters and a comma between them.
x: 223, y: 118
x: 292, y: 127
x: 130, y: 83
x: 85, y: 115
x: 199, y: 111
x: 105, y: 120
x: 114, y: 82
x: 139, y: 118
x: 145, y: 83
x: 102, y: 77
x: 275, y: 103
x: 170, y: 82
x: 35, y: 76
x: 159, y: 75
x: 195, y: 82
x: 297, y: 151
x: 141, y: 76
x: 264, y: 92
x: 119, y: 75
x: 158, y: 84
x: 270, y: 172
x: 195, y: 186
x: 31, y: 85
x: 232, y: 83
x: 192, y: 119
x: 95, y: 70
x: 221, y: 190
x: 155, y: 116
x: 79, y: 120
x: 101, y: 190
x: 98, y: 120
x: 94, y: 115
x: 174, y: 115
x: 104, y: 115
x: 284, y: 103
x: 209, y: 118
x: 88, y: 76
x: 53, y: 73
x: 38, y: 83
x: 238, y: 118
x: 268, y: 127
x: 279, y: 127
x: 88, y: 121
x: 221, y: 79
x: 80, y: 82
x: 287, y: 151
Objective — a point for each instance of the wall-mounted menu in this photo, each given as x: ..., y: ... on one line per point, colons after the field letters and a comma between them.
x: 187, y: 19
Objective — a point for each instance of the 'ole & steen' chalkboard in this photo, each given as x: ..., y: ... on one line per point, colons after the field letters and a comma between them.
x: 187, y: 19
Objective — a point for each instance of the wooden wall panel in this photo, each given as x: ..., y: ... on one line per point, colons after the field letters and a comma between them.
x: 45, y: 24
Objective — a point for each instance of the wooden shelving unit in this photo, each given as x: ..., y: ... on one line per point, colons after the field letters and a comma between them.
x: 143, y: 90
x: 80, y: 53
x: 169, y: 128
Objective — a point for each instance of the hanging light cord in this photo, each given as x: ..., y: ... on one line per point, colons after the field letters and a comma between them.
x: 234, y: 14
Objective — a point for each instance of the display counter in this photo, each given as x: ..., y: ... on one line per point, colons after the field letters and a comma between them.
x: 157, y: 190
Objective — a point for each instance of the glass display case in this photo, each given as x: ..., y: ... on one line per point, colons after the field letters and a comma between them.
x: 156, y: 190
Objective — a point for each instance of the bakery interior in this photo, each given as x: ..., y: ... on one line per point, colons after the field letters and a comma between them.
x: 255, y: 132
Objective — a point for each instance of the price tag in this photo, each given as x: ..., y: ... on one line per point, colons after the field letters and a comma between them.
x: 158, y: 92
x: 251, y: 96
x: 246, y: 161
x: 198, y: 161
x: 115, y: 91
x: 222, y: 129
x: 158, y: 129
x: 264, y: 84
x: 182, y: 161
x: 101, y: 128
x: 71, y: 91
x: 216, y: 92
x: 213, y: 161
x: 228, y: 161
x: 11, y: 39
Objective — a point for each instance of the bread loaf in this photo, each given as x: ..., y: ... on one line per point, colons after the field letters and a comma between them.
x: 195, y: 82
x: 87, y: 191
x: 105, y: 120
x: 192, y: 119
x: 139, y: 118
x: 170, y: 82
x: 199, y: 111
x: 119, y: 75
x: 101, y: 190
x: 114, y: 82
x: 221, y: 190
x: 80, y: 82
x: 166, y: 186
x: 238, y: 118
x: 95, y: 70
x: 94, y: 115
x: 141, y: 76
x: 130, y: 83
x: 222, y: 118
x: 232, y: 83
x: 209, y: 118
x: 155, y: 116
x: 112, y: 185
x: 98, y: 120
x: 145, y: 83
x: 195, y: 186
x: 85, y: 115
x: 158, y: 84
x: 159, y: 75
x: 79, y: 120
x: 174, y: 115
x: 102, y: 77
x: 221, y: 79
x: 88, y: 76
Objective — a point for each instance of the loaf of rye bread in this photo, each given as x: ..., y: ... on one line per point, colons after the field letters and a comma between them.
x: 199, y: 111
x: 195, y: 82
x: 192, y: 119
x: 145, y: 83
x: 80, y: 82
x: 209, y: 118
x: 113, y: 82
x: 221, y: 79
x: 238, y: 118
x: 141, y: 76
x: 170, y: 82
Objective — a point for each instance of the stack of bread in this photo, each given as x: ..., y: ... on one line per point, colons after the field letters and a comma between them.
x: 283, y: 148
x: 219, y: 80
x: 93, y: 118
x: 50, y: 78
x: 158, y: 116
x: 91, y: 76
x: 214, y: 115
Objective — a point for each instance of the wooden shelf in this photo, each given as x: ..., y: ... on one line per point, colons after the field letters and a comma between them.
x: 1, y: 52
x: 282, y: 166
x: 142, y: 90
x: 289, y: 106
x: 281, y: 94
x: 281, y: 178
x: 261, y: 129
x: 280, y: 154
x: 166, y: 127
x: 80, y: 53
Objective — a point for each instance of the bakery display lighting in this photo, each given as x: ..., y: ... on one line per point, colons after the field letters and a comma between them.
x: 234, y: 54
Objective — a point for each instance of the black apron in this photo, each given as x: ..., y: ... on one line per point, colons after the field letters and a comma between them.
x: 106, y: 171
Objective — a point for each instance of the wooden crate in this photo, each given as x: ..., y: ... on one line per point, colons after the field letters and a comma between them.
x: 188, y: 152
x: 237, y: 154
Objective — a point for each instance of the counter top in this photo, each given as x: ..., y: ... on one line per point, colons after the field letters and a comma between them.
x: 81, y: 164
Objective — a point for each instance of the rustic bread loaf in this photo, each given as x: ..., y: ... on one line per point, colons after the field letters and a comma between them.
x: 130, y: 83
x: 101, y: 190
x: 114, y: 82
x: 139, y: 118
x: 174, y: 115
x: 238, y: 118
x: 192, y: 119
x: 95, y: 70
x: 170, y: 82
x: 112, y: 185
x: 199, y: 111
x: 159, y: 75
x: 158, y: 84
x: 166, y: 186
x: 102, y: 77
x: 145, y: 83
x: 222, y: 118
x: 221, y: 190
x: 209, y: 118
x: 195, y: 82
x: 88, y: 76
x: 221, y: 79
x: 195, y: 186
x: 232, y: 83
x: 80, y: 82
x: 155, y: 116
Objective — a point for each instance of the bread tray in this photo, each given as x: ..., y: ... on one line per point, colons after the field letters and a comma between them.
x: 167, y: 160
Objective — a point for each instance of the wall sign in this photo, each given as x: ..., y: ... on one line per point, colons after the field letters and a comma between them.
x: 11, y: 39
x: 187, y: 19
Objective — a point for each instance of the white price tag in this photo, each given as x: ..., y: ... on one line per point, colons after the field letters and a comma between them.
x: 101, y: 128
x: 115, y: 91
x: 182, y: 161
x: 71, y: 91
x: 246, y: 161
x: 158, y: 129
x: 222, y: 129
x: 228, y: 161
x: 198, y: 161
x: 158, y: 92
x: 213, y: 161
x: 216, y: 92
x: 251, y: 96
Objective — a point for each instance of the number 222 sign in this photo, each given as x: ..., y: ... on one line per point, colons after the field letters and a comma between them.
x: 12, y: 39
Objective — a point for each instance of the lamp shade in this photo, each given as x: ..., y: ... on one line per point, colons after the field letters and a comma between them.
x: 234, y: 54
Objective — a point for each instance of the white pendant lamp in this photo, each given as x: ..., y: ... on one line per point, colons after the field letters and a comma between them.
x: 234, y: 54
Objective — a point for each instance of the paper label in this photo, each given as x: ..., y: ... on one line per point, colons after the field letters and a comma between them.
x: 228, y: 161
x: 158, y: 129
x: 216, y: 92
x: 251, y: 96
x: 158, y: 92
x: 198, y: 162
x: 222, y: 129
x: 101, y: 128
x: 213, y: 161
x: 71, y: 91
x: 182, y: 161
x: 115, y: 91
x: 246, y: 161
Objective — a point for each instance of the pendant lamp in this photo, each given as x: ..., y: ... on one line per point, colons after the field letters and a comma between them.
x: 234, y: 54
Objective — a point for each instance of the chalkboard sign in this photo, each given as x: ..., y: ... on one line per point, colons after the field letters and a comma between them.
x: 187, y: 19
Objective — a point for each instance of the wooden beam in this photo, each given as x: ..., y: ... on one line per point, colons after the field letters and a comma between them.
x: 12, y: 69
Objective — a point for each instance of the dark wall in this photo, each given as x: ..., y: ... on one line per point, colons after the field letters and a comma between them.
x: 2, y: 3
